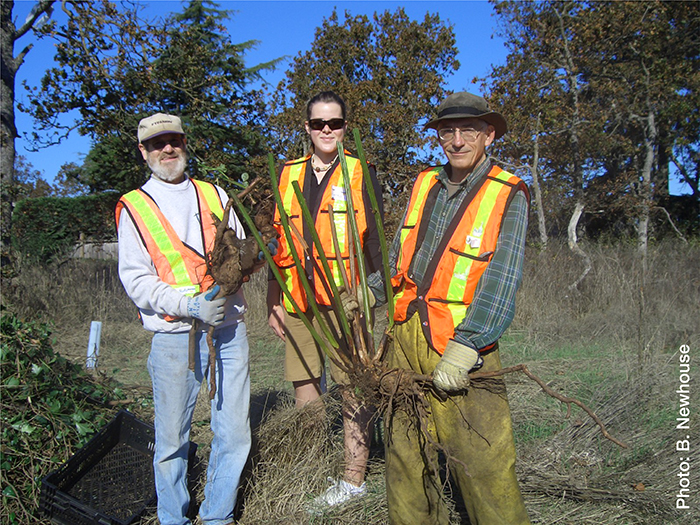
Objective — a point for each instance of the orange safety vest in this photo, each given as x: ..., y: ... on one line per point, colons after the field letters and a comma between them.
x: 176, y: 263
x: 335, y: 195
x: 461, y: 258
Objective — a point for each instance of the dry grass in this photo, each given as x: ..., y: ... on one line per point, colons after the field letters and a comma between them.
x: 612, y: 343
x: 618, y: 303
x: 572, y: 474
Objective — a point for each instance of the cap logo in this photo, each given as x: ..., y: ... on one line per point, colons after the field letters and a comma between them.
x: 161, y: 122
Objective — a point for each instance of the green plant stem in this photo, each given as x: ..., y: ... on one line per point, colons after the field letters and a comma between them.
x: 380, y: 226
x: 355, y: 237
x: 340, y: 313
x: 323, y: 343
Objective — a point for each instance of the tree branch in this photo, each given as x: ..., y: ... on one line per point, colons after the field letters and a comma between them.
x: 670, y: 221
x: 564, y: 399
x: 39, y: 9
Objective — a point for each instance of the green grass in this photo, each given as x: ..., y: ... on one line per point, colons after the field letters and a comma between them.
x: 515, y: 348
x: 531, y: 431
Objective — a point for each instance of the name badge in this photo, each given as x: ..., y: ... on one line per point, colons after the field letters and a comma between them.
x: 338, y: 193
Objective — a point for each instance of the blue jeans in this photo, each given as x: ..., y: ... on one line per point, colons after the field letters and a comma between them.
x: 175, y: 390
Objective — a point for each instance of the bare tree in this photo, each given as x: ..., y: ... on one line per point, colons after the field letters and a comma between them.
x: 9, y: 34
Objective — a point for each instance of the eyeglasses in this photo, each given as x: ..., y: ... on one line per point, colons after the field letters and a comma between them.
x: 317, y: 124
x: 468, y: 134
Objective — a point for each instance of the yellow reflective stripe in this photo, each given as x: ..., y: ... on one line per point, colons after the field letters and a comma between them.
x: 161, y: 238
x: 211, y: 195
x: 503, y: 175
x: 294, y: 174
x: 413, y: 213
x: 458, y: 312
x: 425, y: 186
x: 289, y: 282
x: 458, y: 283
x: 340, y: 225
x: 341, y: 219
x: 487, y: 204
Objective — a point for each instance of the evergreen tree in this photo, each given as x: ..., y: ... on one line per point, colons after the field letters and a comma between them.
x: 115, y: 68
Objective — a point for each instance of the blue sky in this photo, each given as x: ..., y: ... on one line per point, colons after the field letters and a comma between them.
x: 283, y: 28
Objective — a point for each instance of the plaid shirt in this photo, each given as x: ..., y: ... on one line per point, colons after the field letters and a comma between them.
x: 493, y: 307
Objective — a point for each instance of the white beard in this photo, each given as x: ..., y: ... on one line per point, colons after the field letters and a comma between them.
x: 170, y: 173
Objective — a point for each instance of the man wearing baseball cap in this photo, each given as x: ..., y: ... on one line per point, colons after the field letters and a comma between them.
x: 165, y: 230
x: 456, y: 264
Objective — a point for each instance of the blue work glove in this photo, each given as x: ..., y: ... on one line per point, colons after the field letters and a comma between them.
x: 452, y: 371
x: 272, y: 248
x: 206, y: 307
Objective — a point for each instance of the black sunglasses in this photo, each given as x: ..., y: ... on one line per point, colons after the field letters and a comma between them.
x: 317, y: 124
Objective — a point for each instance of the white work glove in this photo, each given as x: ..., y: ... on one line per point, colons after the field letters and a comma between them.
x: 206, y: 307
x: 350, y: 304
x: 451, y: 374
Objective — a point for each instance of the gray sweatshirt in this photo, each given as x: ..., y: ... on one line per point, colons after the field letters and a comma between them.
x: 153, y: 297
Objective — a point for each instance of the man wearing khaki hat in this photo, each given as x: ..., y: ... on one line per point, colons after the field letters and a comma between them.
x: 456, y: 264
x: 165, y: 230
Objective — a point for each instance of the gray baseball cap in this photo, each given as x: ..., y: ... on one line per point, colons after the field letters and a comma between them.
x: 466, y: 105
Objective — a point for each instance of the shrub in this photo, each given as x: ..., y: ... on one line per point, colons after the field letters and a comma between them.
x: 50, y: 408
x: 46, y: 228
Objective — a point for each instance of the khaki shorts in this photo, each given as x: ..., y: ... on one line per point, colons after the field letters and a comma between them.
x: 304, y: 357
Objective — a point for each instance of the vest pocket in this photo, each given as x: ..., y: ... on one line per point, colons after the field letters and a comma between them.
x: 482, y: 257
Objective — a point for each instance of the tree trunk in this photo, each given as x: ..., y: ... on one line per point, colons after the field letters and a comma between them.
x: 647, y: 189
x: 8, y: 131
x: 539, y: 209
x: 9, y: 34
x: 574, y: 246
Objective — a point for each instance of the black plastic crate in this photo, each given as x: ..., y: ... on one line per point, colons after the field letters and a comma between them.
x: 109, y: 481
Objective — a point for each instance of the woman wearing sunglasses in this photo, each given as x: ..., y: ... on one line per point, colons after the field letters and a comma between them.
x: 321, y: 180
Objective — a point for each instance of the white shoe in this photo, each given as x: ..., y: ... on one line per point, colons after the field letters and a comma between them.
x: 340, y: 492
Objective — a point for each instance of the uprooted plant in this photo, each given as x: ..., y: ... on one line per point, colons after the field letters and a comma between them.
x: 230, y: 262
x: 373, y: 381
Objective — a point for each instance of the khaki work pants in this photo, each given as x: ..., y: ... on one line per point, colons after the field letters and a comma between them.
x: 475, y: 429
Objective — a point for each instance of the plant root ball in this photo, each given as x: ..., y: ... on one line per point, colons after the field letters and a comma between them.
x: 388, y: 389
x: 233, y: 259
